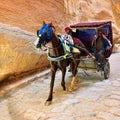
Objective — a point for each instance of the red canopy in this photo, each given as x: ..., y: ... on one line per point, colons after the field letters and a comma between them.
x: 90, y: 24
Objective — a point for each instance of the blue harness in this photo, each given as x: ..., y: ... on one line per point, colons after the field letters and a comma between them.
x: 47, y: 32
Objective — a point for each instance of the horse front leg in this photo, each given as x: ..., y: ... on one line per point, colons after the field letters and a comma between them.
x: 63, y: 78
x: 53, y: 72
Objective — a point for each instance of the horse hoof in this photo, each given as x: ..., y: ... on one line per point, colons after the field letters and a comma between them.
x: 47, y: 103
x: 76, y: 81
x: 70, y: 89
x: 64, y: 88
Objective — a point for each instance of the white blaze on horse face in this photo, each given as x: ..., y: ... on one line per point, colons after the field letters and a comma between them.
x: 36, y: 41
x: 39, y: 35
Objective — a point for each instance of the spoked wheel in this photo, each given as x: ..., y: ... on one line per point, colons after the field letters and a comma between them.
x: 106, y: 70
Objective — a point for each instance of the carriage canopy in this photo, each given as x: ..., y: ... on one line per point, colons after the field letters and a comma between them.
x: 86, y: 31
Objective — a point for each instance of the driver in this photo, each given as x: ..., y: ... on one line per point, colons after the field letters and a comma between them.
x: 101, y: 45
x: 77, y: 42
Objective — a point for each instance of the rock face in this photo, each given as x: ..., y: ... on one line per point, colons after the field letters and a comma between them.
x: 29, y: 14
x: 17, y: 54
x: 92, y: 10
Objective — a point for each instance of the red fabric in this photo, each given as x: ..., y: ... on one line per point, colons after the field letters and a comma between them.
x: 90, y: 24
x: 67, y: 28
x: 78, y: 42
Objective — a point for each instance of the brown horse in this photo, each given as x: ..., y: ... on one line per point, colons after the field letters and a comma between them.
x: 56, y: 55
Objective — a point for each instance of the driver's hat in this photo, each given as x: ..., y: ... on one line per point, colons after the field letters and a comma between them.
x: 67, y: 28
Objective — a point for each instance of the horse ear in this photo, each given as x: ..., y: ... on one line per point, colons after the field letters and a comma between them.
x: 50, y: 24
x: 44, y: 23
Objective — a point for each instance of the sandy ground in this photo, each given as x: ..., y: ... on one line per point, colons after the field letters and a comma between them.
x: 93, y: 99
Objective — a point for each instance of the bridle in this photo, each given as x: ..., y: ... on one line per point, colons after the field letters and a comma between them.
x: 46, y: 34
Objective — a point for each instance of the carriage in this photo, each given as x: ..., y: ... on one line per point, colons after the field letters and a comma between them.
x: 86, y: 33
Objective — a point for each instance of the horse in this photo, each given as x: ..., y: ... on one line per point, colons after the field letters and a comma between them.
x: 57, y: 56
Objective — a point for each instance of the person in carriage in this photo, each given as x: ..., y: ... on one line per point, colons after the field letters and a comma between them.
x: 101, y: 47
x: 77, y: 42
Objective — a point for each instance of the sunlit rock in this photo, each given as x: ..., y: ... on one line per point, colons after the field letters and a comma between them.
x: 18, y: 55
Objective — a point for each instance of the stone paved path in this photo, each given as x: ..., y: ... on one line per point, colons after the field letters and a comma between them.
x: 93, y: 99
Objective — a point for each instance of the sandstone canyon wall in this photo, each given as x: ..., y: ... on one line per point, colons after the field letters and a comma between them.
x: 19, y: 20
x: 18, y: 55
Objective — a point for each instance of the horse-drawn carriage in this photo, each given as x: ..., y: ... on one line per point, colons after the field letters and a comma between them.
x: 87, y: 32
x: 60, y: 58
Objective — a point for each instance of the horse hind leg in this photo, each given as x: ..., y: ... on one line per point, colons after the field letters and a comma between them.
x: 75, y: 79
x: 73, y: 83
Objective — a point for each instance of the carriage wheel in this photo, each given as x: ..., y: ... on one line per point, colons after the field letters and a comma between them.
x: 106, y: 70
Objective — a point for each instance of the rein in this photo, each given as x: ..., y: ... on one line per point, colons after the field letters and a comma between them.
x: 63, y: 57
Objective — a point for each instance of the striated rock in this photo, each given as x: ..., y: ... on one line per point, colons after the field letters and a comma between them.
x: 18, y: 55
x: 116, y: 11
x: 116, y: 48
x: 29, y: 14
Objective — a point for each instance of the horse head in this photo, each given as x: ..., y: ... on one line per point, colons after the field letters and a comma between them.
x: 44, y: 35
